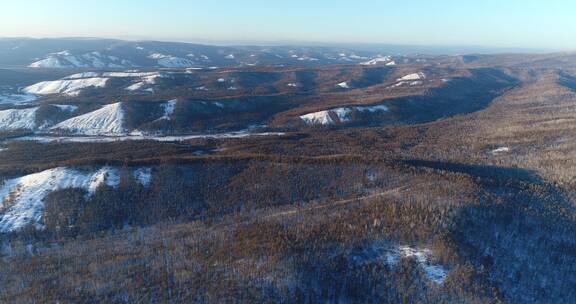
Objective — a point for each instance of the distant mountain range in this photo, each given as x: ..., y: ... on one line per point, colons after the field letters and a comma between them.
x: 118, y: 54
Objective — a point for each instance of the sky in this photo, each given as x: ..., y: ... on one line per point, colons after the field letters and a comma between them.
x: 538, y: 24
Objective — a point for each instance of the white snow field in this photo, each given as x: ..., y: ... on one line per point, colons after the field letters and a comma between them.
x: 22, y: 199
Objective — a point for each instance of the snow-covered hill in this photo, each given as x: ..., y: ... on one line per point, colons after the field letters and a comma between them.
x: 30, y: 119
x: 18, y: 119
x: 95, y: 59
x: 327, y: 117
x: 170, y: 61
x: 22, y: 199
x: 70, y: 87
x: 146, y: 82
x: 16, y: 98
x: 386, y: 60
x: 338, y: 115
x: 74, y: 84
x: 109, y: 121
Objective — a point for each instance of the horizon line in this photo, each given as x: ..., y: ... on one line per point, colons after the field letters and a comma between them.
x: 217, y: 42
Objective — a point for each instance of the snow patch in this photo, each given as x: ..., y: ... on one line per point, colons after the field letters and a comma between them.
x: 168, y: 108
x: 391, y: 255
x: 83, y: 75
x: 66, y: 108
x: 157, y: 56
x: 413, y: 76
x: 343, y: 85
x: 146, y: 79
x: 407, y: 83
x: 378, y: 60
x: 501, y: 150
x: 143, y: 176
x: 434, y: 273
x: 137, y: 86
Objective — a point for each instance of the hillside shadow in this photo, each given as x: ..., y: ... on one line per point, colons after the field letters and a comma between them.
x: 521, y: 234
x: 456, y: 97
x: 488, y: 174
x: 567, y: 81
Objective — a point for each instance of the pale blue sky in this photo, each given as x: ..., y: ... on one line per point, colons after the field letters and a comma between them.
x: 490, y: 23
